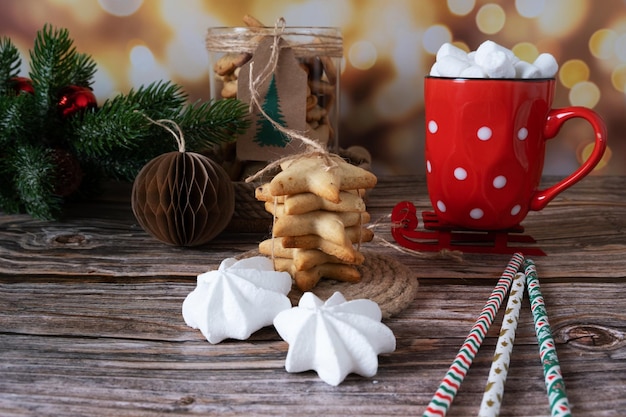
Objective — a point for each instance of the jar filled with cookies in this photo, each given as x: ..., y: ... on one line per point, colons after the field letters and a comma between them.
x: 289, y: 76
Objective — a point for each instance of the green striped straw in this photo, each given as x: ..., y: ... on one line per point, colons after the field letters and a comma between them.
x: 441, y: 401
x: 559, y: 404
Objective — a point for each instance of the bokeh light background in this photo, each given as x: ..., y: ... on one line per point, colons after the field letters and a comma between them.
x: 389, y: 47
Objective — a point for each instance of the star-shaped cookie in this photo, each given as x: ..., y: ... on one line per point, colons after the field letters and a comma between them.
x: 322, y: 175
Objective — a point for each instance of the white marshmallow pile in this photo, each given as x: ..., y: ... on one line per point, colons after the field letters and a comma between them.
x: 490, y: 60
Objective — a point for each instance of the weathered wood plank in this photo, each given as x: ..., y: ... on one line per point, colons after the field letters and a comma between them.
x: 91, y: 323
x: 127, y: 346
x: 586, y: 223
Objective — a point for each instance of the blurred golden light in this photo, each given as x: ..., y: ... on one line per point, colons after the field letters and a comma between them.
x: 404, y: 63
x: 573, y: 72
x: 585, y: 93
x: 602, y: 43
x: 620, y: 47
x: 88, y: 12
x: 618, y: 78
x: 184, y: 56
x: 120, y: 7
x: 309, y: 13
x: 362, y: 55
x: 387, y: 104
x: 530, y: 8
x: 141, y: 56
x: 461, y: 7
x: 435, y: 36
x: 462, y: 45
x: 104, y: 85
x: 526, y: 51
x: 490, y: 18
x: 561, y: 17
x: 586, y: 150
x: 144, y: 68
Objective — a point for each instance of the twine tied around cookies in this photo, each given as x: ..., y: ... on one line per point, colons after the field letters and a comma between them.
x: 313, y: 147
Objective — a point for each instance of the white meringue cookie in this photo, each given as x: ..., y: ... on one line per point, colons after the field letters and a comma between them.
x: 237, y: 299
x: 334, y: 338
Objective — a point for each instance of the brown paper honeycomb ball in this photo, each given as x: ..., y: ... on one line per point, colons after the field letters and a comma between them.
x: 183, y: 198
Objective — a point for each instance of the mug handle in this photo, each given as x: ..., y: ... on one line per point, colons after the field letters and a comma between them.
x: 554, y: 122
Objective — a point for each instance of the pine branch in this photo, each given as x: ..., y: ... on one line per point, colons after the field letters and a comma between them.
x: 16, y: 120
x: 119, y: 138
x: 116, y: 125
x: 84, y: 69
x: 114, y: 141
x: 10, y: 63
x: 122, y: 122
x: 213, y: 122
x: 33, y: 171
x: 158, y: 100
x: 55, y: 64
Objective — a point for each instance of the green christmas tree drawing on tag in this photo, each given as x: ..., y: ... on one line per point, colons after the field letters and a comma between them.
x: 266, y: 134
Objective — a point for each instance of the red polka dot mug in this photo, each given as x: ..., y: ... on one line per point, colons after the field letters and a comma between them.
x: 485, y: 148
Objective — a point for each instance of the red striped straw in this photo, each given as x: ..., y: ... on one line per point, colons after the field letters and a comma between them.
x: 441, y: 401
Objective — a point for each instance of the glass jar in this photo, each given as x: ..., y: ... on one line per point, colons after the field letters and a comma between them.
x: 318, y: 51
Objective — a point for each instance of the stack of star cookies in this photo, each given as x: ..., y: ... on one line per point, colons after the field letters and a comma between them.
x: 319, y: 218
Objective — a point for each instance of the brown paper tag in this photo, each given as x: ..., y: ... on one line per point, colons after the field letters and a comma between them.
x: 283, y: 98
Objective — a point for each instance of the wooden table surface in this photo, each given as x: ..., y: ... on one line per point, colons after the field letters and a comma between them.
x: 91, y: 324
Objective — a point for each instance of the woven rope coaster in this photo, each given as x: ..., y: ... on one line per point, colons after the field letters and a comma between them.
x: 384, y: 280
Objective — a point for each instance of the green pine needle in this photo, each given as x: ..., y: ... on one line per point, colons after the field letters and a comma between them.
x: 34, y: 172
x: 10, y: 63
x: 213, y: 122
x: 55, y: 63
x: 16, y: 119
x: 116, y: 125
x: 159, y: 100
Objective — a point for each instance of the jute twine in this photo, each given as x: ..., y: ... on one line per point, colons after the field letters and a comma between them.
x: 309, y: 41
x: 313, y: 147
x: 385, y: 280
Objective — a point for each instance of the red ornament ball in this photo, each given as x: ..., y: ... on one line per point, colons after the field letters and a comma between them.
x: 74, y: 99
x: 183, y: 198
x: 22, y: 85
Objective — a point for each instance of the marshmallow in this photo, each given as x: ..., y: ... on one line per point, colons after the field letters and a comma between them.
x: 451, y: 66
x: 497, y: 65
x: 524, y: 69
x: 447, y: 49
x: 473, y: 71
x: 490, y: 60
x: 547, y: 65
x: 488, y: 48
x: 433, y: 71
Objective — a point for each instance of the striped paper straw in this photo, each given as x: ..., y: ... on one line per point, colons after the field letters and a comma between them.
x: 494, y: 390
x: 450, y: 384
x: 559, y: 404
